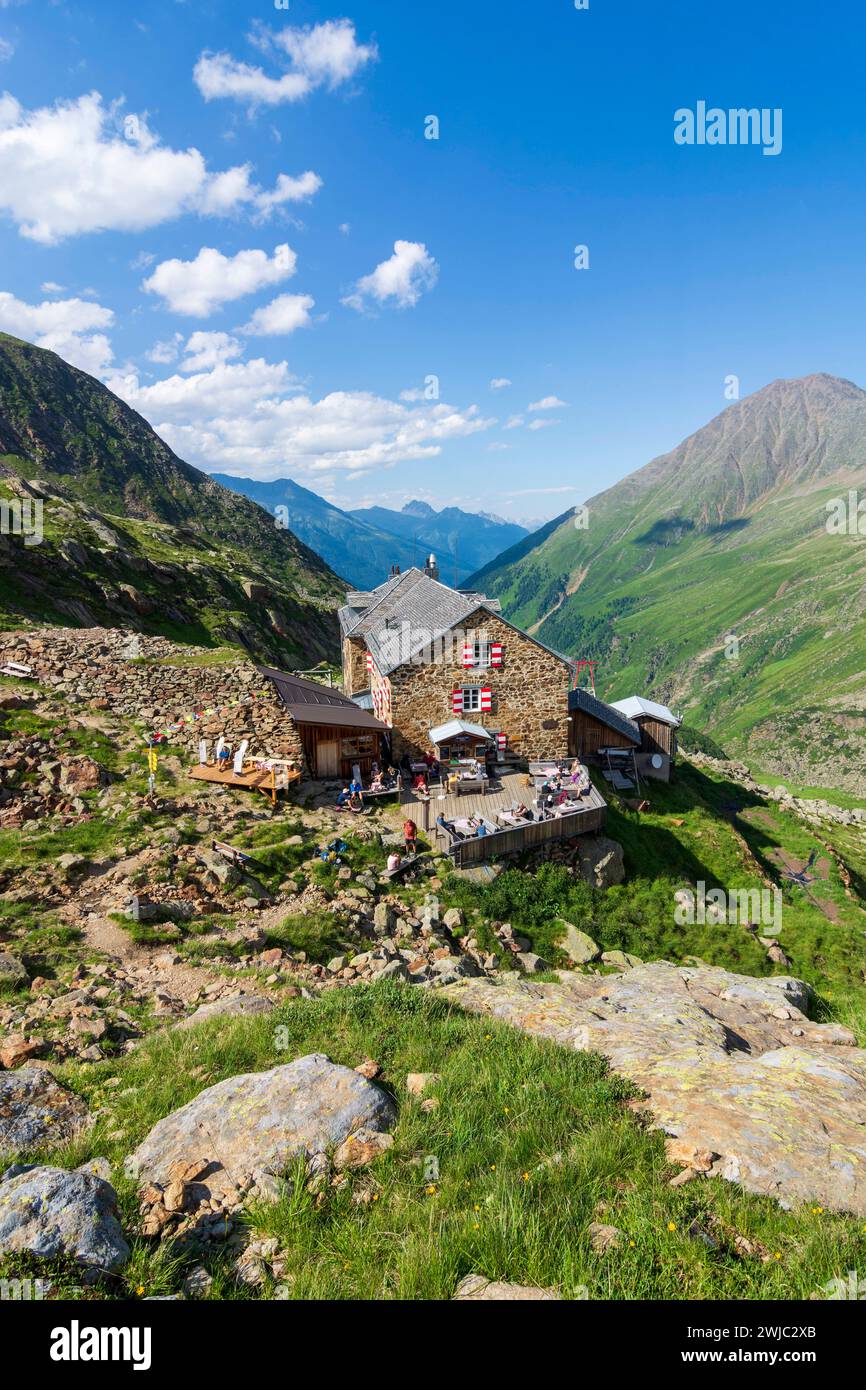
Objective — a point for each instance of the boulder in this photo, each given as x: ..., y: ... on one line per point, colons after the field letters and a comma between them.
x: 476, y: 1289
x: 227, y: 1008
x: 576, y: 944
x: 51, y: 1212
x: 730, y: 1066
x: 531, y: 963
x: 35, y: 1111
x: 263, y: 1121
x: 600, y: 861
x: 620, y: 960
x: 12, y: 971
x: 79, y: 775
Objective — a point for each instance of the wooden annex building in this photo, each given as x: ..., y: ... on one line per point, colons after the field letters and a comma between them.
x: 335, y: 734
x: 642, y: 728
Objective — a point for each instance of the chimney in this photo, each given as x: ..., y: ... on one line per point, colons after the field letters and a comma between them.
x: 431, y: 568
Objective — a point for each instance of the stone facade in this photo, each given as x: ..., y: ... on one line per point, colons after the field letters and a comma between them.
x: 356, y: 677
x: 155, y: 683
x: 529, y: 693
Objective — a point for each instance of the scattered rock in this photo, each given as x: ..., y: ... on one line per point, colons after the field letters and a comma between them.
x: 603, y: 1238
x: 417, y: 1082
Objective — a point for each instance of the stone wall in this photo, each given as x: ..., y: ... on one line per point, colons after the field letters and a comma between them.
x: 356, y: 677
x: 529, y: 693
x: 130, y: 675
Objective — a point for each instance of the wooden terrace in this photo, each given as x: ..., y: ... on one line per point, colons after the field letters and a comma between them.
x: 579, y: 816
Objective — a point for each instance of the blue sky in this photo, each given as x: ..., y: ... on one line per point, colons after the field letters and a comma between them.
x: 405, y: 258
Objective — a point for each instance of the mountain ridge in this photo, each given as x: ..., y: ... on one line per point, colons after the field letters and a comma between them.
x: 723, y: 537
x: 134, y: 519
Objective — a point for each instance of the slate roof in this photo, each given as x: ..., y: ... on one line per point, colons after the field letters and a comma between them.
x: 606, y: 714
x: 427, y: 607
x: 310, y: 703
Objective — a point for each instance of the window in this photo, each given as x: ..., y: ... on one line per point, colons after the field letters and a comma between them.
x: 471, y: 698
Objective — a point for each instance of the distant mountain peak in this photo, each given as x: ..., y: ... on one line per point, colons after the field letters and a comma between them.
x: 418, y: 508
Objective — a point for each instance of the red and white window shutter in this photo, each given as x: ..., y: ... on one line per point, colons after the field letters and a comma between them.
x: 495, y: 653
x: 486, y: 699
x: 369, y: 661
x: 468, y: 653
x: 457, y: 700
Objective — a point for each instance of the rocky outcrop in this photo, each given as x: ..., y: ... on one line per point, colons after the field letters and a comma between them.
x: 731, y: 1067
x: 51, y: 1212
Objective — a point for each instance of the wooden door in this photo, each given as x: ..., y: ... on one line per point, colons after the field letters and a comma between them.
x: 328, y: 757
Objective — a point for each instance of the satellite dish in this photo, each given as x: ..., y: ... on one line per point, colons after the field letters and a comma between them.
x: 656, y: 760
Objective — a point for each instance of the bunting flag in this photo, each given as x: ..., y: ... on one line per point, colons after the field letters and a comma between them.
x: 210, y: 713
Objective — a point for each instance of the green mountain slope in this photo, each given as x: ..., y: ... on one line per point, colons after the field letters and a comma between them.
x: 725, y: 537
x: 133, y: 535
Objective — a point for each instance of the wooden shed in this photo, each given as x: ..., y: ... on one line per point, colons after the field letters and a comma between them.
x: 594, y: 725
x: 336, y: 734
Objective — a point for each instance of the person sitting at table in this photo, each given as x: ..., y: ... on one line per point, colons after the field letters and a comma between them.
x: 377, y: 783
x: 391, y: 777
x: 482, y: 830
x: 524, y: 812
x: 576, y: 770
x: 445, y: 824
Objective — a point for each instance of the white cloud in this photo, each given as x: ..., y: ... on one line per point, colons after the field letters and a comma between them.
x: 499, y: 383
x: 548, y: 403
x: 51, y: 287
x: 290, y: 190
x: 6, y: 50
x: 321, y: 55
x: 283, y: 315
x: 403, y: 278
x: 79, y: 166
x: 168, y: 350
x: 513, y: 422
x: 200, y: 286
x: 251, y: 418
x: 204, y: 351
x: 66, y: 326
x: 542, y: 424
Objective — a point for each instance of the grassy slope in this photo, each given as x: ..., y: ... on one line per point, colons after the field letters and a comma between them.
x: 652, y: 589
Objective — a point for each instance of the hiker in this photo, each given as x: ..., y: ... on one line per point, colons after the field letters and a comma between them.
x: 344, y: 798
x: 378, y: 782
x: 394, y: 861
x: 410, y: 836
x: 224, y: 754
x: 356, y: 800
